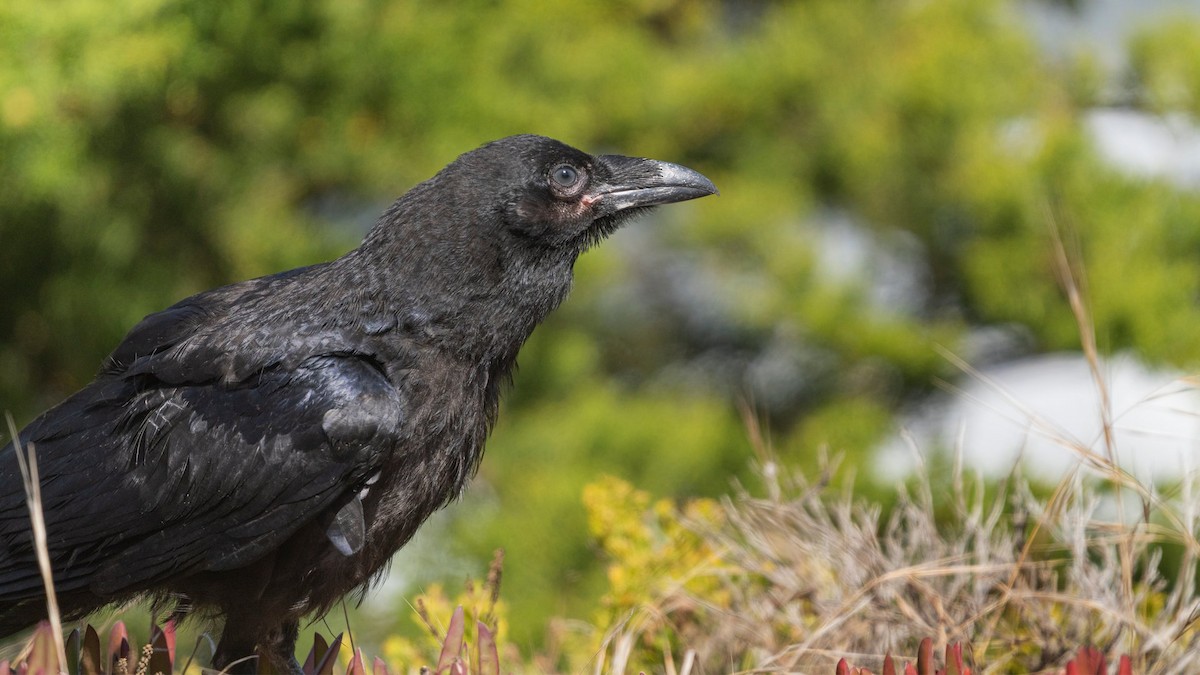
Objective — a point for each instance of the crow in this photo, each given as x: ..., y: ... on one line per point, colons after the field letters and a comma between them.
x: 258, y: 451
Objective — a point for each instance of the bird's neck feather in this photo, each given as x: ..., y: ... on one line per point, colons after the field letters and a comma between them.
x: 478, y: 296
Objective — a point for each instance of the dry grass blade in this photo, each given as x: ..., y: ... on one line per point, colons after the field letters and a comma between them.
x: 1072, y: 279
x: 807, y: 577
x: 33, y: 497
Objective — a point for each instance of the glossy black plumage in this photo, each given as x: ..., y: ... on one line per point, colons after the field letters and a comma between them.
x: 261, y: 449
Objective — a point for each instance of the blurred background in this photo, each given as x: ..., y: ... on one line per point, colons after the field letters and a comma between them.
x: 894, y: 177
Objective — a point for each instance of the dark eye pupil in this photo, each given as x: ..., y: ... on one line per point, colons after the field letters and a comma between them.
x: 565, y: 175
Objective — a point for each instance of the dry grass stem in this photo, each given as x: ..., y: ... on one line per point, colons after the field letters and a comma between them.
x: 27, y: 460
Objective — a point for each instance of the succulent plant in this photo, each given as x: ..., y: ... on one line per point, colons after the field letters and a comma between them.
x: 82, y: 651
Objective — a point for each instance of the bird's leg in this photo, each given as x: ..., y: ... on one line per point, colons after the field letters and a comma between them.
x: 243, y: 653
x: 283, y: 651
x: 235, y: 652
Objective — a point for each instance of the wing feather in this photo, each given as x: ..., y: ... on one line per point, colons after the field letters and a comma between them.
x: 146, y: 481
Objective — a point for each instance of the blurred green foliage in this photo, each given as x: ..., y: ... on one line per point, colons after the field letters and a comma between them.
x: 152, y: 149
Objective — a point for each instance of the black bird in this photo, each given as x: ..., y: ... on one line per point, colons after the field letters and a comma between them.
x: 260, y: 450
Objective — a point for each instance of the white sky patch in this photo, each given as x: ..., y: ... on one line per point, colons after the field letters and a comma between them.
x: 1149, y: 146
x: 1034, y: 410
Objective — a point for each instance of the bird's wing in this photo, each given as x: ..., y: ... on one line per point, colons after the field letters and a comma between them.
x: 144, y: 480
x: 160, y: 331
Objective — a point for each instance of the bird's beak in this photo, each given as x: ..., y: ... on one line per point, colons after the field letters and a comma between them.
x: 636, y: 182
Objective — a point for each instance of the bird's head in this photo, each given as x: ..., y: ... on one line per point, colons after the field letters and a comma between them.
x: 497, y: 231
x: 551, y: 195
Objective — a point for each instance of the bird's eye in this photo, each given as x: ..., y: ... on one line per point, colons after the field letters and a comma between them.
x: 565, y: 175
